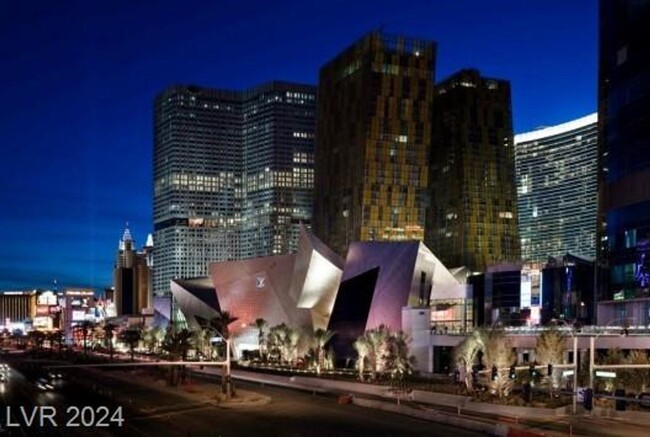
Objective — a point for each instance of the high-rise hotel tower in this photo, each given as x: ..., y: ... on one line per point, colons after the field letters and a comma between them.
x: 373, y: 142
x: 473, y: 214
x: 233, y: 175
x: 557, y: 189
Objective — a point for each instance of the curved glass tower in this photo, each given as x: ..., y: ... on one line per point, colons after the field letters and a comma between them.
x: 556, y: 170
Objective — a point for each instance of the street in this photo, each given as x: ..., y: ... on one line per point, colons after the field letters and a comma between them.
x: 149, y: 412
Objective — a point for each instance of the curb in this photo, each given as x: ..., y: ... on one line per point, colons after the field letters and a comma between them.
x: 495, y: 429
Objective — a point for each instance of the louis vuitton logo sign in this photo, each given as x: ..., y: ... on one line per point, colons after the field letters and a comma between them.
x: 260, y: 281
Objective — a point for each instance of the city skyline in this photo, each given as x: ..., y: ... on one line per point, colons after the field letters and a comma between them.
x: 79, y: 102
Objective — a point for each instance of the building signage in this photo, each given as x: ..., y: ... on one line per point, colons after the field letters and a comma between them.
x: 47, y: 298
x: 42, y: 323
x: 525, y: 291
x: 78, y: 316
x: 260, y: 281
x: 84, y: 293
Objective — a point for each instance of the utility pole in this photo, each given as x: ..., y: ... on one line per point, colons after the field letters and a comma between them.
x: 591, y: 362
x: 575, y: 373
x: 228, y: 380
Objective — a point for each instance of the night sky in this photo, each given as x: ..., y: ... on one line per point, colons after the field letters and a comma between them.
x: 78, y: 78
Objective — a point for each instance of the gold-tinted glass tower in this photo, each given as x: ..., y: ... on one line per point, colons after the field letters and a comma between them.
x: 473, y: 216
x: 373, y: 140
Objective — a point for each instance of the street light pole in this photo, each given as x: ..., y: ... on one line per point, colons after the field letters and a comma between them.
x: 575, y: 373
x: 591, y: 362
x: 228, y: 387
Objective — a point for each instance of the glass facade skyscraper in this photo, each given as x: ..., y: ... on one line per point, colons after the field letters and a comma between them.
x: 233, y: 174
x: 278, y: 167
x: 624, y: 120
x: 473, y: 213
x: 374, y: 136
x: 557, y: 190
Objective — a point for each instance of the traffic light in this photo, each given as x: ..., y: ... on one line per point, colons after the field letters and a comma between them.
x: 588, y: 399
x: 495, y: 373
x: 531, y: 370
x: 549, y: 370
x: 513, y: 372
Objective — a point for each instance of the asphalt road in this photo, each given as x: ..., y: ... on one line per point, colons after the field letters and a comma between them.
x: 147, y: 412
x: 26, y: 410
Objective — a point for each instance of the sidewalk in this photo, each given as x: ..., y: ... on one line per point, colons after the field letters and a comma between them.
x: 197, y: 392
x: 545, y: 422
x: 382, y: 398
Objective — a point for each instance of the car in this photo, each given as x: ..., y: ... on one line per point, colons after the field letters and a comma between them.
x: 644, y: 400
x: 43, y: 385
x: 54, y: 375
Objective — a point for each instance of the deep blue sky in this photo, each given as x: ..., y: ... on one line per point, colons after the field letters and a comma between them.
x: 78, y: 78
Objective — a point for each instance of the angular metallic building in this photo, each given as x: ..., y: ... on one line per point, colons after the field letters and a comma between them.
x: 297, y: 289
x: 373, y: 142
x: 379, y: 280
x: 233, y: 175
x: 472, y: 219
x: 557, y: 189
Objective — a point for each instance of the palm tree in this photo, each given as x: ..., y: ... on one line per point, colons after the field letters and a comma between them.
x: 399, y: 361
x: 362, y: 347
x: 549, y: 349
x: 291, y: 344
x: 220, y: 323
x: 18, y: 336
x: 57, y: 337
x: 86, y: 329
x: 378, y: 341
x: 177, y: 343
x: 637, y: 379
x: 497, y: 352
x: 152, y: 339
x: 109, y: 332
x: 38, y: 338
x: 466, y: 354
x: 276, y: 340
x: 132, y: 337
x: 321, y: 338
x: 261, y: 324
x: 201, y: 341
